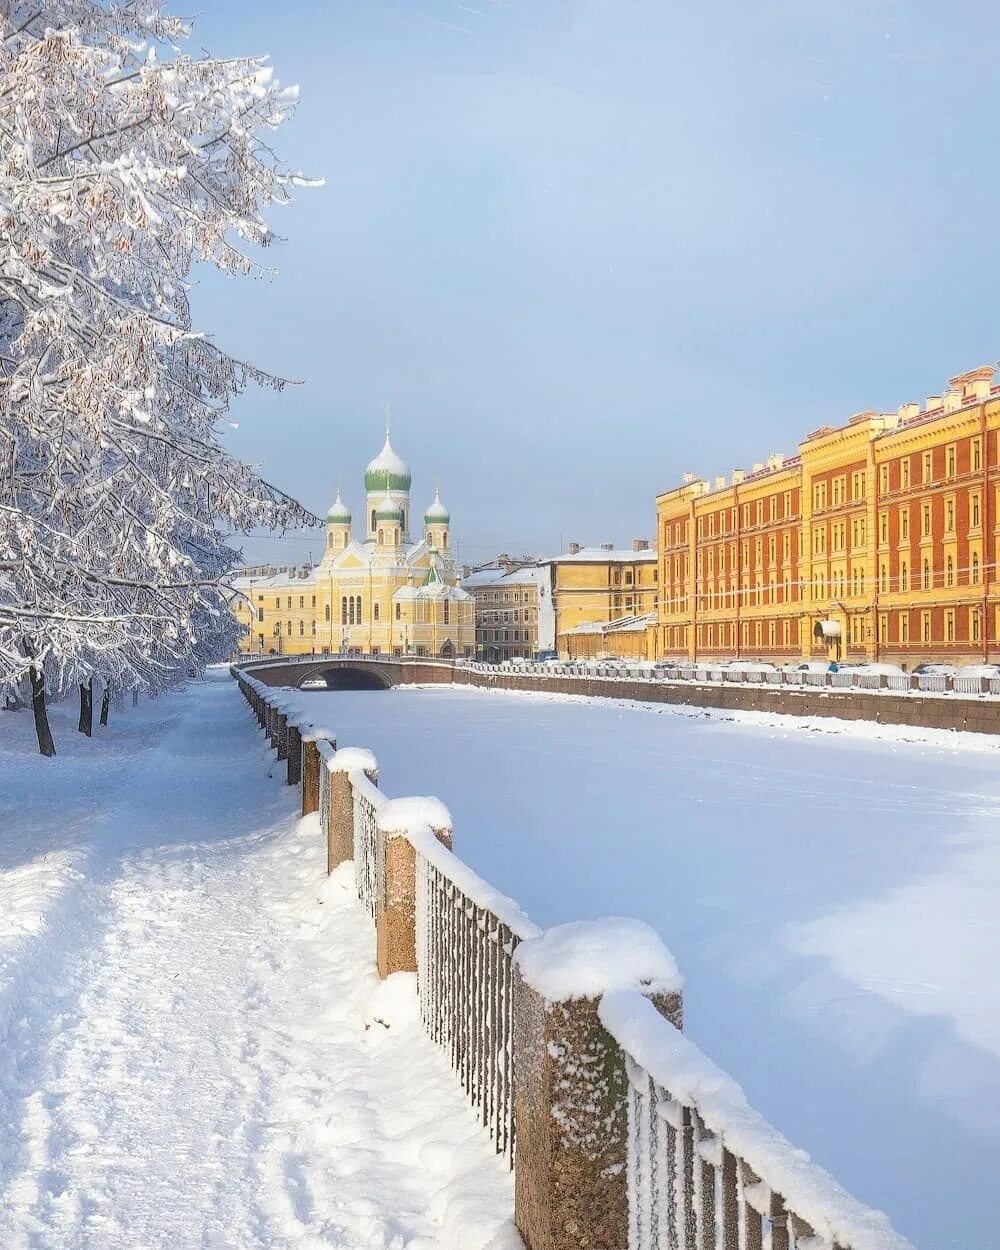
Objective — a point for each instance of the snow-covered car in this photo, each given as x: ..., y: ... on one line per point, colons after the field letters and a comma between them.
x: 807, y: 666
x: 878, y: 669
x: 313, y: 683
x: 930, y: 669
x: 747, y: 666
x: 978, y: 670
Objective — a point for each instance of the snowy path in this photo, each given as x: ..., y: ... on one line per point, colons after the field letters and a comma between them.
x: 198, y: 1053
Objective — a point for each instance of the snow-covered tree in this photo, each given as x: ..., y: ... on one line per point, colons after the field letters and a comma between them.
x: 123, y: 163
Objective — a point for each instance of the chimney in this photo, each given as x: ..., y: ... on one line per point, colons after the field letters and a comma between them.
x: 907, y: 411
x: 758, y: 467
x: 952, y: 400
x: 687, y: 479
x: 777, y: 461
x: 933, y: 403
x: 720, y: 482
x: 640, y: 544
x: 607, y: 546
x: 574, y: 548
x: 975, y: 384
x: 738, y: 476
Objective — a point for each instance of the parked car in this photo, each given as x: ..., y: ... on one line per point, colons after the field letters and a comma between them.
x: 313, y: 683
x: 879, y: 669
x: 978, y: 670
x: 745, y: 666
x: 807, y: 666
x: 929, y: 668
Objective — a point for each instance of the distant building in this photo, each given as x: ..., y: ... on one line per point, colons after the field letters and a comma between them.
x: 877, y: 541
x: 513, y: 606
x: 385, y: 593
x: 605, y: 600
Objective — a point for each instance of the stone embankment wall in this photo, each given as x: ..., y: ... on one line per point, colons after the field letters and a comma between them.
x: 941, y: 712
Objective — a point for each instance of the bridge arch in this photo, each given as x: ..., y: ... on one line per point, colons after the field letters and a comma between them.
x: 343, y: 676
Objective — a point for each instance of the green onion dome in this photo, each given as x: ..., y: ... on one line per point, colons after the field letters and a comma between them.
x: 387, y: 471
x: 389, y: 510
x: 339, y: 513
x: 437, y: 513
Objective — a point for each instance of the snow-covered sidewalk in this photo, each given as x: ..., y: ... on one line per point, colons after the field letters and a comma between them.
x: 194, y: 1049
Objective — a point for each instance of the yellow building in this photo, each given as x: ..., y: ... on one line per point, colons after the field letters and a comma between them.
x: 514, y: 616
x: 385, y: 593
x: 605, y: 600
x: 878, y: 541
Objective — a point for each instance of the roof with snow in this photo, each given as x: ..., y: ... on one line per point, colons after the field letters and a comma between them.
x: 600, y: 555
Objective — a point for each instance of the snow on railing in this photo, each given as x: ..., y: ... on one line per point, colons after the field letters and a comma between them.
x: 466, y: 936
x: 367, y: 801
x: 705, y: 1169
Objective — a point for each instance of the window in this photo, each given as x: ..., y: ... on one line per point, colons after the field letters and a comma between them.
x: 302, y: 628
x: 774, y: 507
x: 949, y: 460
x: 819, y: 496
x: 904, y: 627
x: 974, y: 624
x: 883, y: 627
x: 949, y: 572
x: 883, y: 479
x: 904, y: 523
x: 925, y: 626
x: 326, y: 612
x: 974, y: 511
x: 289, y: 600
x: 883, y: 527
x: 977, y: 455
x: 302, y: 601
x: 949, y: 516
x: 277, y: 603
x: 447, y: 614
x: 883, y: 580
x: 904, y: 576
x: 928, y: 464
x: 260, y: 614
x: 975, y: 568
x: 350, y: 611
x: 788, y: 503
x: 399, y: 612
x: 314, y: 600
x: 949, y: 625
x: 375, y: 612
x: 858, y: 490
x: 925, y: 515
x: 904, y: 473
x: 926, y: 583
x: 343, y: 611
x: 374, y: 521
x: 277, y: 629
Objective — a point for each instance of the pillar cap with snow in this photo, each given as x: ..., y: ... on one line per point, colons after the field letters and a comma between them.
x: 589, y: 958
x: 409, y: 814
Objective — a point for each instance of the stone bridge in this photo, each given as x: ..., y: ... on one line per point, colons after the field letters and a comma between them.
x: 348, y: 672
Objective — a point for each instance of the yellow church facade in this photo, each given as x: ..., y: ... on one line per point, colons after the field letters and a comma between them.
x: 386, y: 593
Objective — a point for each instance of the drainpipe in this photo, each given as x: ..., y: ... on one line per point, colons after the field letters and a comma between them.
x: 987, y: 537
x: 739, y: 566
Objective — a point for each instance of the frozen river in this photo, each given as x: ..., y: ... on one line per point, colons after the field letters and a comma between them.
x: 831, y: 898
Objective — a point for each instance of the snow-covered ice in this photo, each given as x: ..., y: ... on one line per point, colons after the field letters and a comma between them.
x: 829, y: 891
x: 194, y: 1048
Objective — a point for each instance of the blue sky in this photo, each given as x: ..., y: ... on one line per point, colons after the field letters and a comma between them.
x: 583, y: 247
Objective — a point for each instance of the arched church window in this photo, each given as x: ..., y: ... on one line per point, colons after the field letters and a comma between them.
x: 398, y: 612
x: 327, y: 611
x: 445, y: 537
x: 374, y: 521
x: 351, y: 611
x: 343, y: 610
x: 375, y: 612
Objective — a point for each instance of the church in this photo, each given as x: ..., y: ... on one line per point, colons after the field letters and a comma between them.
x: 389, y: 592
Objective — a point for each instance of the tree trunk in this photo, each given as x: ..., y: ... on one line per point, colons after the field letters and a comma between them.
x: 105, y: 705
x: 42, y: 731
x: 86, y: 723
x: 135, y: 696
